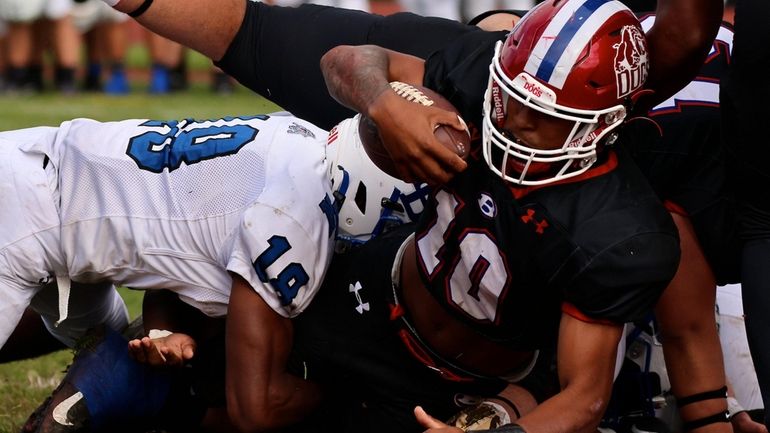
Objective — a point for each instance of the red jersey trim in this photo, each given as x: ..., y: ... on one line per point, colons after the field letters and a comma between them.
x: 573, y: 311
x: 599, y: 170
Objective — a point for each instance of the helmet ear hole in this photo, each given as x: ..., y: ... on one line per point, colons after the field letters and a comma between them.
x: 360, y: 198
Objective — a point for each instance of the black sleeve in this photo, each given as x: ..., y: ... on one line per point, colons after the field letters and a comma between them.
x: 628, y: 244
x: 623, y: 283
x: 277, y: 50
x: 460, y: 72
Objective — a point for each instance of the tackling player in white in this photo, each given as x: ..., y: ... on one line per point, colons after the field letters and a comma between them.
x: 237, y: 208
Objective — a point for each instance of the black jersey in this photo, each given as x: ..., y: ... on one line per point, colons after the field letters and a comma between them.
x: 603, y: 245
x: 507, y: 261
x: 460, y: 72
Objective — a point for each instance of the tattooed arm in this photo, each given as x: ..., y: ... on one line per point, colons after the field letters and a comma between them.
x: 358, y: 78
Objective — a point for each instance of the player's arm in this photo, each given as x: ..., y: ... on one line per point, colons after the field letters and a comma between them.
x: 358, y: 77
x: 261, y: 394
x: 586, y: 362
x: 203, y: 25
x: 678, y: 44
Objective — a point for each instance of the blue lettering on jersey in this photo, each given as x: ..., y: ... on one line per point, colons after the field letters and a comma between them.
x: 290, y: 279
x: 185, y: 143
x: 420, y: 195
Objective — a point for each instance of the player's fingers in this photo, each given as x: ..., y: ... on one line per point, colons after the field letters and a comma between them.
x: 135, y: 349
x: 426, y: 420
x: 172, y: 356
x: 454, y: 164
x: 442, y: 164
x: 140, y: 354
x: 444, y: 117
x: 188, y: 351
x: 446, y: 155
x: 152, y: 352
x: 147, y: 345
x: 432, y: 172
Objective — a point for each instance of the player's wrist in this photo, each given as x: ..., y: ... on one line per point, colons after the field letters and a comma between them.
x: 380, y: 102
x: 733, y: 408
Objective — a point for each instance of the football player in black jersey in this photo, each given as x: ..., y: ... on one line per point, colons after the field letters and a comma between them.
x: 508, y: 150
x: 449, y: 73
x: 548, y: 238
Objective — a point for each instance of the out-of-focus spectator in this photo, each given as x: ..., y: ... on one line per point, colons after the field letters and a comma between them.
x: 433, y: 8
x: 54, y: 25
x: 3, y: 31
x: 105, y: 37
x: 347, y: 4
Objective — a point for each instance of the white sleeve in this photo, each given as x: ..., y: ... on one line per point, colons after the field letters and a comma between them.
x: 285, y: 241
x: 283, y: 260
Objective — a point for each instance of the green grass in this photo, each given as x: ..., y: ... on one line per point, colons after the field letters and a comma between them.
x: 25, y: 384
x: 51, y: 109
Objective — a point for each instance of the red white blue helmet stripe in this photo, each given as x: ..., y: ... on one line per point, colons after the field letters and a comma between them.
x: 564, y: 38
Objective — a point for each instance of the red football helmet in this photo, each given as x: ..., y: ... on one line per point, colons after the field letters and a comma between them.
x: 580, y: 60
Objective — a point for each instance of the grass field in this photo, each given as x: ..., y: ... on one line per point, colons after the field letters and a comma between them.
x: 25, y: 384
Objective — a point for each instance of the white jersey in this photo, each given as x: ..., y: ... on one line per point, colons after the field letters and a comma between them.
x: 176, y: 205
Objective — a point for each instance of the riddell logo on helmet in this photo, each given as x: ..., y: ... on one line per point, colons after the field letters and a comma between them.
x: 631, y: 60
x: 497, y: 101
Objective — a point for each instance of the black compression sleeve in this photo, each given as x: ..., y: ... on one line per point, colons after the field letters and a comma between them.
x: 277, y: 51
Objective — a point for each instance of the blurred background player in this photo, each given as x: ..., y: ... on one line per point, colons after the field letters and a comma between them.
x: 3, y: 52
x: 362, y: 5
x: 34, y: 26
x: 104, y: 34
x: 449, y: 9
x: 167, y: 71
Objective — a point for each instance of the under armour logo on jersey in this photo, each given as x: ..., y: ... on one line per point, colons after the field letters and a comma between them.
x: 530, y: 218
x: 362, y: 306
x: 296, y: 128
x: 487, y: 205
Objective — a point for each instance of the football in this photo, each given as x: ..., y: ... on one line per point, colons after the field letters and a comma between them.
x: 453, y: 139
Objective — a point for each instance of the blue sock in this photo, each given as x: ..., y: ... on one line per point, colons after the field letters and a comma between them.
x: 115, y: 387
